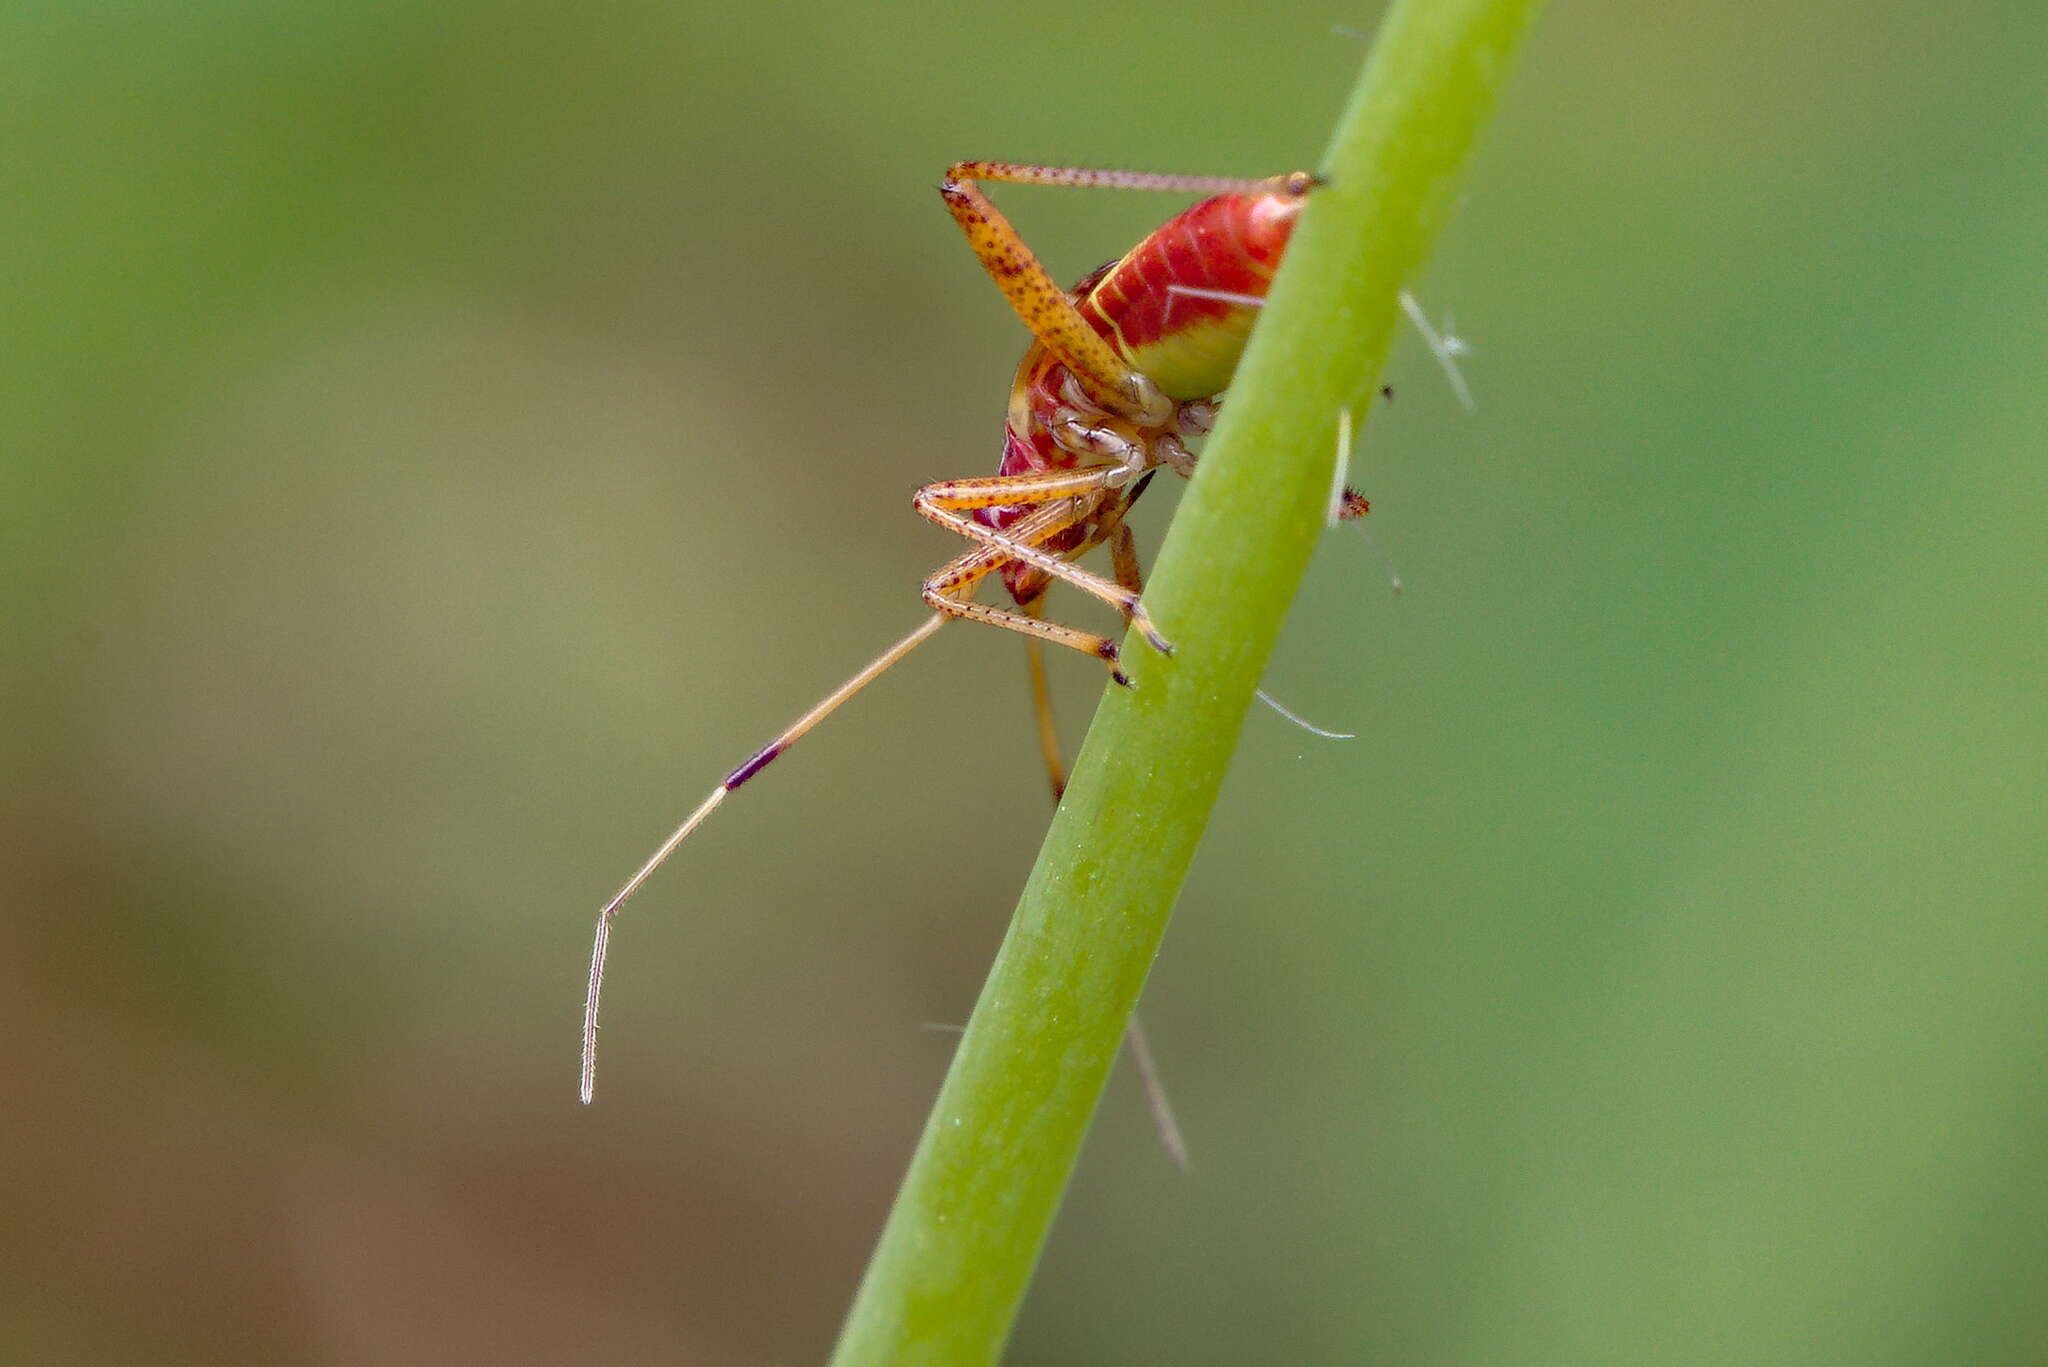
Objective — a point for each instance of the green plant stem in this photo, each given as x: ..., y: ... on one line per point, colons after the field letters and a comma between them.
x: 960, y: 1245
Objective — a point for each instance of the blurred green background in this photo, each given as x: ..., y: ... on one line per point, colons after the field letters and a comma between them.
x: 440, y: 440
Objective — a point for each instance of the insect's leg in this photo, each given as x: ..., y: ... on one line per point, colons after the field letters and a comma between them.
x: 1124, y: 552
x: 1095, y: 178
x: 946, y: 589
x: 1046, y: 309
x: 1041, y: 706
x: 946, y: 503
x: 754, y: 764
x: 1123, y: 559
x: 1041, y: 303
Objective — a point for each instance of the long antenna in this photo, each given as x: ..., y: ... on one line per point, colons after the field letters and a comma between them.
x: 753, y: 765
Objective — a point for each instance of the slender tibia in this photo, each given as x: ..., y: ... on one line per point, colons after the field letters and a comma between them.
x: 1084, y: 178
x: 946, y: 504
x: 1041, y: 707
x: 949, y: 587
x: 945, y: 590
x: 754, y: 764
x: 1118, y: 597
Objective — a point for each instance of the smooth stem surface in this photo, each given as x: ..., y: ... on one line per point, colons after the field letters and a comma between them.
x: 957, y: 1254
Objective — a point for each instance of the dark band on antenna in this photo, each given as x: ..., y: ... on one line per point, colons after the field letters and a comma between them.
x: 754, y: 764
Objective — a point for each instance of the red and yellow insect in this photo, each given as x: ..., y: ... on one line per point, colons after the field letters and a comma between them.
x: 1125, y: 367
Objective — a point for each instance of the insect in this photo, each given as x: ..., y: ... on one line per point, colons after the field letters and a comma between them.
x: 1123, y: 369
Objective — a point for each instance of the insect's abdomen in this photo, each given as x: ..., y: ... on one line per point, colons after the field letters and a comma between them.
x: 1181, y: 304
